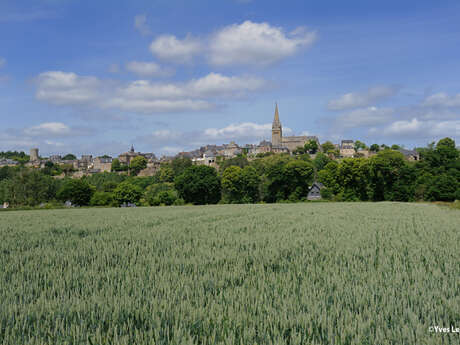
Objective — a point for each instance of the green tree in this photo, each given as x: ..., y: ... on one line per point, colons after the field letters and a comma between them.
x: 395, y: 147
x: 320, y: 161
x: 161, y: 194
x: 297, y: 175
x: 384, y: 171
x: 329, y: 177
x: 443, y: 188
x: 137, y: 164
x: 69, y: 157
x: 116, y: 165
x: 126, y: 192
x: 199, y: 184
x: 240, y: 185
x: 179, y: 164
x: 352, y: 176
x: 311, y: 146
x: 165, y: 174
x: 374, y: 148
x: 78, y: 191
x: 239, y: 161
x: 359, y: 145
x: 102, y: 199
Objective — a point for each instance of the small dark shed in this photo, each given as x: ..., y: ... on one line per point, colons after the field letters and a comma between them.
x: 315, y: 191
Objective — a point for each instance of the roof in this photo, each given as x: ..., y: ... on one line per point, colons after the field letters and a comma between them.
x: 408, y: 152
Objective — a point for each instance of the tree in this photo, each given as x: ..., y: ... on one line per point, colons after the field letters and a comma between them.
x: 359, y: 145
x: 102, y: 199
x: 327, y: 147
x: 179, y: 164
x: 374, y: 148
x: 165, y: 174
x: 352, y: 176
x: 161, y: 194
x: 199, y: 184
x: 384, y: 170
x: 69, y: 157
x: 116, y: 165
x: 320, y: 161
x: 28, y: 188
x: 126, y: 192
x: 395, y: 147
x: 298, y: 175
x: 311, y: 146
x: 329, y: 177
x: 239, y: 161
x: 78, y: 191
x: 137, y: 164
x: 446, y: 151
x: 444, y: 188
x: 240, y: 185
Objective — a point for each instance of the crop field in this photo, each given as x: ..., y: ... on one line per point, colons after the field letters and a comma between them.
x: 311, y: 273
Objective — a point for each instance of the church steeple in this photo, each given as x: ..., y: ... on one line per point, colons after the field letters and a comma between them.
x: 277, y: 131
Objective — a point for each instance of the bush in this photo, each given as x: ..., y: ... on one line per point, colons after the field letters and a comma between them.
x: 161, y: 194
x: 126, y: 192
x: 79, y: 192
x: 102, y: 199
x: 199, y: 185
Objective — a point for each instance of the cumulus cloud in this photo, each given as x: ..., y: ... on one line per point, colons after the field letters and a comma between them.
x: 172, y: 49
x: 442, y: 100
x: 48, y: 128
x: 420, y: 128
x: 365, y: 117
x: 140, y: 24
x: 144, y: 96
x: 147, y: 69
x: 362, y: 99
x: 256, y: 44
x: 67, y: 88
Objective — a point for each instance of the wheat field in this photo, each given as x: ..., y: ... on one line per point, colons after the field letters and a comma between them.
x: 307, y: 273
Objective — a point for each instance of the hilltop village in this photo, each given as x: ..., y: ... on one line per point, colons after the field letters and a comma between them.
x: 209, y: 155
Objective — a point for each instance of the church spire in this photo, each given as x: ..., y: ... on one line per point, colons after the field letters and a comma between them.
x: 277, y: 116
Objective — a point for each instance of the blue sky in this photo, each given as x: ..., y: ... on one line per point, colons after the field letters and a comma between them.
x: 166, y: 76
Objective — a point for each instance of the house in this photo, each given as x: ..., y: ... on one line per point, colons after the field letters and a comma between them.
x: 315, y: 191
x: 347, y: 148
x: 410, y: 155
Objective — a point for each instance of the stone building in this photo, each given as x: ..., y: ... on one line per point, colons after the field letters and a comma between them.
x: 347, y: 148
x: 34, y: 155
x: 410, y: 155
x: 287, y: 144
x: 125, y: 158
x: 102, y: 164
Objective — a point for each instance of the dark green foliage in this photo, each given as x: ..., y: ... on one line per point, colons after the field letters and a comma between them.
x: 199, y: 185
x: 321, y: 160
x: 240, y: 185
x: 15, y: 155
x: 106, y: 181
x: 161, y: 194
x: 28, y: 188
x: 165, y: 174
x: 102, y: 199
x: 239, y: 161
x: 78, y: 191
x: 137, y: 164
x: 374, y: 148
x: 179, y: 164
x: 126, y: 192
x: 444, y: 188
x: 311, y: 146
x: 69, y: 157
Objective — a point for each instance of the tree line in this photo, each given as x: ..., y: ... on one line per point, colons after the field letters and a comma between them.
x: 269, y: 178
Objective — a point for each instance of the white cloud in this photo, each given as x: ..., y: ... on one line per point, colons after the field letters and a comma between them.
x: 240, y: 131
x: 140, y: 24
x: 141, y: 95
x: 2, y: 62
x: 48, y: 128
x: 172, y: 49
x: 362, y: 99
x: 114, y: 68
x: 147, y: 69
x: 256, y: 44
x: 365, y: 117
x: 422, y: 128
x: 442, y: 100
x: 67, y: 88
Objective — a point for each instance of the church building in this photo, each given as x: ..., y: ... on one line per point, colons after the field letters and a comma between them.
x: 286, y: 144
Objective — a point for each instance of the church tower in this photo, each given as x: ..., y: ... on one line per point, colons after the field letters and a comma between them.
x: 277, y: 132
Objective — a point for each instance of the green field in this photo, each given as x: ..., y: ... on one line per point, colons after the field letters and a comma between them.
x: 311, y: 273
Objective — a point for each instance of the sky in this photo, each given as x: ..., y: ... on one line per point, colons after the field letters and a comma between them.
x: 95, y: 77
